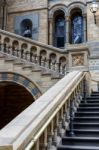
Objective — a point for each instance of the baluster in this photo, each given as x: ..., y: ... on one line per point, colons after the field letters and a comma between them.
x: 40, y: 58
x: 4, y: 48
x: 17, y: 53
x: 9, y: 49
x: 22, y: 52
x: 31, y: 54
x: 35, y: 58
x: 60, y: 128
x: 13, y: 50
x: 0, y: 46
x: 44, y: 61
x: 49, y: 63
x: 55, y: 137
x: 26, y: 55
x: 71, y: 116
x: 84, y: 89
x: 59, y: 67
x: 50, y: 135
x: 49, y: 145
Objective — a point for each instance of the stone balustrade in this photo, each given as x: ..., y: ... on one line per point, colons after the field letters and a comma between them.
x: 43, y: 123
x: 71, y: 58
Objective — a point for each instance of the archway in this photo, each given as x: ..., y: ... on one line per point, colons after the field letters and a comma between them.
x: 13, y: 100
x: 26, y: 24
x: 16, y: 94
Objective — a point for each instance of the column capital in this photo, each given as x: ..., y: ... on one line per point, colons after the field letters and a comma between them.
x: 84, y: 15
x: 67, y: 18
x: 50, y: 20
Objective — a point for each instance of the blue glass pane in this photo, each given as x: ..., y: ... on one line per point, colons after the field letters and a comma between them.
x: 77, y: 29
x: 60, y: 27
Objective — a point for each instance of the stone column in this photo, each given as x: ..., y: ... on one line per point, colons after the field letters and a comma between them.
x: 50, y: 31
x: 67, y: 19
x: 84, y: 28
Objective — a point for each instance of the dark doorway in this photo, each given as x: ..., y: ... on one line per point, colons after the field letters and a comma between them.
x: 13, y: 100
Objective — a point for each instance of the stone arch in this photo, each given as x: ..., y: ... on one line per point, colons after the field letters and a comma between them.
x: 24, y: 25
x: 29, y: 85
x: 43, y: 53
x: 77, y: 11
x: 24, y: 46
x: 52, y: 57
x: 33, y: 50
x: 6, y: 40
x: 62, y: 60
x: 56, y: 8
x: 77, y: 5
x: 15, y: 44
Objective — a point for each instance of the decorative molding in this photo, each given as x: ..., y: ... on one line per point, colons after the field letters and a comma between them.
x: 21, y: 80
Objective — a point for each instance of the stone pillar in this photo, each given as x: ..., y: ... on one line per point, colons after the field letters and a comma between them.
x: 84, y: 28
x: 50, y: 31
x: 67, y: 19
x: 4, y: 14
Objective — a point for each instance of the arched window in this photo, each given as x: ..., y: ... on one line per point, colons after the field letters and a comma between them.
x: 76, y: 30
x: 26, y: 28
x: 59, y: 29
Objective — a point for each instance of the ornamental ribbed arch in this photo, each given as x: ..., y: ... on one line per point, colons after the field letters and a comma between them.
x: 29, y: 85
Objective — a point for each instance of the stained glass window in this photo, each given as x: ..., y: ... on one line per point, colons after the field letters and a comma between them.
x: 77, y: 29
x: 60, y: 31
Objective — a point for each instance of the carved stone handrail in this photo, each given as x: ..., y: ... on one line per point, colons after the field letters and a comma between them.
x: 42, y: 123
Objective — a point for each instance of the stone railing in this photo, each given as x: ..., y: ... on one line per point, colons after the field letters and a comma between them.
x: 73, y: 57
x: 43, y: 123
x: 33, y: 58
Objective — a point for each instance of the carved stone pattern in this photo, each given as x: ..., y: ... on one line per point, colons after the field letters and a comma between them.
x: 78, y: 60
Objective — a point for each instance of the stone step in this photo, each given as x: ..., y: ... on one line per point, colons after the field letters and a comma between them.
x: 89, y: 109
x: 86, y: 141
x: 88, y: 105
x: 85, y: 133
x: 86, y: 126
x: 91, y: 101
x: 76, y: 147
x: 86, y: 119
x: 87, y: 114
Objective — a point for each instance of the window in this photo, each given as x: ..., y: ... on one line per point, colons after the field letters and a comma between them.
x: 77, y: 29
x: 59, y: 30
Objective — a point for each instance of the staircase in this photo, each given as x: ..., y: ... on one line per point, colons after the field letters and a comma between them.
x: 85, y: 126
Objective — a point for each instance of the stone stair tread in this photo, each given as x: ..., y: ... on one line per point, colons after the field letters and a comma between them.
x: 89, y: 112
x: 36, y: 70
x: 27, y: 66
x: 84, y: 117
x: 46, y: 73
x: 81, y: 138
x: 88, y: 107
x: 80, y: 123
x: 77, y: 147
x: 86, y: 130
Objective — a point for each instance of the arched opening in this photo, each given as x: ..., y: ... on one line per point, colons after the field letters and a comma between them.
x: 14, y: 98
x: 59, y: 29
x: 76, y: 26
x: 26, y: 28
x: 15, y: 44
